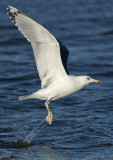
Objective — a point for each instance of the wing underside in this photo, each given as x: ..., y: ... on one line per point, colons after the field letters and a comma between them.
x: 45, y: 46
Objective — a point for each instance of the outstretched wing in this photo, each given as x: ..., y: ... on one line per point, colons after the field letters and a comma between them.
x: 45, y: 46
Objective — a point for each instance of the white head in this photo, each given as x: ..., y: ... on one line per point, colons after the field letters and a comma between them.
x: 85, y: 80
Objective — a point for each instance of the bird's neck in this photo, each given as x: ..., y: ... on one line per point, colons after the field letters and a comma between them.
x: 77, y: 83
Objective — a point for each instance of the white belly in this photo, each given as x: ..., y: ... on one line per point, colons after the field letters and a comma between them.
x: 59, y: 90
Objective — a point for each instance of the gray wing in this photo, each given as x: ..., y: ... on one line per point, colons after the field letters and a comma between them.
x: 45, y: 46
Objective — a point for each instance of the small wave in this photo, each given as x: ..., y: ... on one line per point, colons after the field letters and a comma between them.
x: 13, y: 41
x: 108, y: 32
x: 14, y: 78
x: 3, y: 27
x: 105, y: 73
x: 101, y: 145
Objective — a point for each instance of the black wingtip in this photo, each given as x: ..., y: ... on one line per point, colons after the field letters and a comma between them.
x: 64, y: 55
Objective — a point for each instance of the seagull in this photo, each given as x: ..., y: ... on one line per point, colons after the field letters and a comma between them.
x: 55, y: 80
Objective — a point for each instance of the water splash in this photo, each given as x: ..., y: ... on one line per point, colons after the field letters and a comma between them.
x: 26, y: 132
x: 35, y: 131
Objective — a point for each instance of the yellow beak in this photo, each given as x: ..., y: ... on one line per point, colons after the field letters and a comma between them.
x: 97, y: 81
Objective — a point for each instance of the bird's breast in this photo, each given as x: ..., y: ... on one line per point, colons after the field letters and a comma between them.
x: 63, y: 89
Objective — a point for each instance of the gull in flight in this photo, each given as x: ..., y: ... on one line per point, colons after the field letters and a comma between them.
x: 55, y: 81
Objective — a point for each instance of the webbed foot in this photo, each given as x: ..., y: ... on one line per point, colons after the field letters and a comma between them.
x: 49, y: 117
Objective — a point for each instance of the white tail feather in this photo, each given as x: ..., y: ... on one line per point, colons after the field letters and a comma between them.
x: 23, y: 98
x: 30, y: 96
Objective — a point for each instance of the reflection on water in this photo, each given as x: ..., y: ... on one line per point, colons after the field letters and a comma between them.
x: 33, y: 150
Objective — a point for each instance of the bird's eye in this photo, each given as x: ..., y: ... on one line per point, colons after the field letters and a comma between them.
x: 88, y: 78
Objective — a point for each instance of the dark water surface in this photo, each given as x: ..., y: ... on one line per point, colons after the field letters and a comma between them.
x: 83, y: 123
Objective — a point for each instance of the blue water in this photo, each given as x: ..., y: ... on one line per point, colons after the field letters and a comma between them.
x: 83, y: 123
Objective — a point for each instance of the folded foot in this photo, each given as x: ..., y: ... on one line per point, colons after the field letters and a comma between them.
x: 49, y: 117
